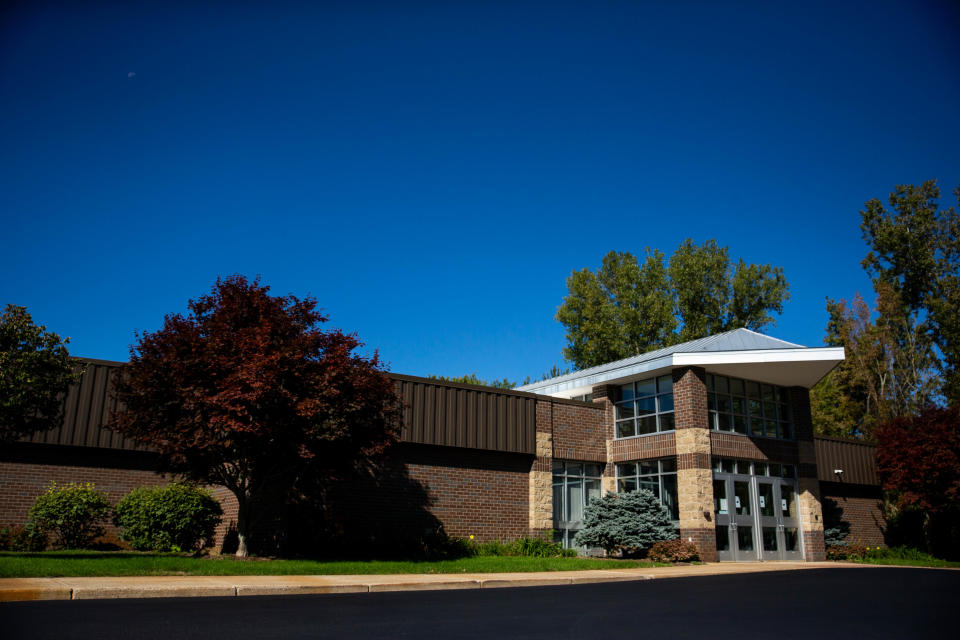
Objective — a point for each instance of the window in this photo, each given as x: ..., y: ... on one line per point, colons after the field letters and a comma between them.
x: 645, y: 407
x: 750, y: 408
x: 584, y: 398
x: 754, y: 468
x: 574, y: 485
x: 656, y: 476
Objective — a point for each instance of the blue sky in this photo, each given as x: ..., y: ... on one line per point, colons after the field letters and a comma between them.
x: 432, y: 172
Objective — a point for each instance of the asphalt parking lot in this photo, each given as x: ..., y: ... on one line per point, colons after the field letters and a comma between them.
x: 821, y: 603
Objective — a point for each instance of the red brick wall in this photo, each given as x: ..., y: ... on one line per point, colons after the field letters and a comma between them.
x: 690, y: 398
x: 861, y: 507
x: 578, y: 430
x: 732, y: 445
x: 660, y: 445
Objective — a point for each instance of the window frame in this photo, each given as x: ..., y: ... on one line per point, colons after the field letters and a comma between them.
x: 762, y: 410
x: 663, y: 471
x: 663, y: 419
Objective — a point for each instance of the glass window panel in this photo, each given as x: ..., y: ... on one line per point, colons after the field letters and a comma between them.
x: 626, y: 392
x: 738, y: 405
x: 557, y: 502
x: 711, y: 401
x: 666, y: 402
x: 753, y: 390
x: 709, y: 382
x: 626, y: 469
x: 741, y: 493
x: 666, y: 422
x: 790, y: 539
x: 788, y: 501
x: 761, y: 468
x: 767, y: 393
x: 646, y: 406
x: 723, y: 404
x: 765, y: 493
x: 723, y: 421
x: 591, y: 470
x: 769, y: 411
x: 745, y: 538
x: 736, y: 386
x: 591, y: 490
x: 770, y: 426
x: 651, y: 485
x: 722, y: 386
x: 626, y: 485
x: 648, y: 468
x: 776, y: 471
x: 646, y: 388
x: 625, y: 411
x: 723, y: 538
x: 668, y: 465
x: 574, y: 500
x: 717, y: 465
x: 782, y: 412
x: 756, y: 408
x: 782, y: 395
x: 739, y: 424
x: 788, y: 471
x: 769, y: 538
x: 786, y: 430
x: 720, y: 503
x: 626, y: 429
x: 557, y: 466
x: 669, y: 495
x: 729, y: 466
x: 647, y: 424
x: 756, y: 427
x: 665, y: 384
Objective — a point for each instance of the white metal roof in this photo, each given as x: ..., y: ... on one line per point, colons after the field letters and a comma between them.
x: 742, y: 353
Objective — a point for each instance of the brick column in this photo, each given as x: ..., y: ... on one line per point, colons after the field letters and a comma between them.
x: 541, y: 475
x: 811, y: 516
x: 694, y: 476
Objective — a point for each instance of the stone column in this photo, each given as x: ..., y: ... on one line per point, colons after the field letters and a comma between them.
x: 541, y: 475
x: 808, y: 489
x: 606, y: 395
x: 694, y: 475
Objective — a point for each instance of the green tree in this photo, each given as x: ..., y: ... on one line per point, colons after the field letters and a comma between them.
x: 915, y: 249
x: 626, y: 308
x: 35, y: 373
x: 473, y: 378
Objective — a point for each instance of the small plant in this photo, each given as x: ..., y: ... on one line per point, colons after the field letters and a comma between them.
x: 177, y: 517
x: 72, y: 512
x: 529, y: 546
x: 675, y: 550
x: 627, y: 523
x: 26, y: 538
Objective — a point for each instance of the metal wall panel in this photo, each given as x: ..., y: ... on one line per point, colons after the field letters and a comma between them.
x: 858, y: 460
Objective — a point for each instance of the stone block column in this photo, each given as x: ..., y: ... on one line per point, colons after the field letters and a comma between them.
x: 541, y: 475
x: 606, y: 395
x: 811, y: 515
x: 694, y: 475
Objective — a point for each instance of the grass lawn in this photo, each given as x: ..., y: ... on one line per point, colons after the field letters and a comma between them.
x: 94, y: 563
x: 908, y: 562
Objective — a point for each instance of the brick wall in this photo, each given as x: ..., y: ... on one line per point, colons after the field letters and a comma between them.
x: 660, y: 445
x: 578, y: 430
x: 861, y: 506
x: 732, y: 445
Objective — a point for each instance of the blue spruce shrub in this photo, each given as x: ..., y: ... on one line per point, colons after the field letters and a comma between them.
x: 625, y: 522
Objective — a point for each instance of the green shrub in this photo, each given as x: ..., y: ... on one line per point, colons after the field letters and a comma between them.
x: 626, y: 522
x: 27, y: 538
x: 177, y: 517
x: 675, y: 550
x: 534, y: 547
x: 72, y: 512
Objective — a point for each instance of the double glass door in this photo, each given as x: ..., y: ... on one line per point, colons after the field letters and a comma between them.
x: 756, y: 518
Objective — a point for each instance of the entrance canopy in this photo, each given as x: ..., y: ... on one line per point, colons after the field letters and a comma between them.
x: 741, y: 353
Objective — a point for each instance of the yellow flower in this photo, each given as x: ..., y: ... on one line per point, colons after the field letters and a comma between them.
x: 471, y: 536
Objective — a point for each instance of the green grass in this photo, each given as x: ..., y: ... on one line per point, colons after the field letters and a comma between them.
x: 902, y: 557
x: 93, y: 563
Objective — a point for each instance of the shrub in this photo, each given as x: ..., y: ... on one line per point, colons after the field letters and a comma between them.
x: 177, y: 517
x: 72, y: 512
x: 538, y: 548
x: 675, y: 550
x: 625, y: 522
x: 27, y: 538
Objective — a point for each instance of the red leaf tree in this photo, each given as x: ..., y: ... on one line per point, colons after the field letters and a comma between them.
x: 248, y: 392
x: 918, y: 459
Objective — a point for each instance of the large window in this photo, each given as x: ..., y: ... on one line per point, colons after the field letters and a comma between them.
x: 656, y: 476
x: 574, y: 485
x: 645, y: 407
x: 750, y: 408
x: 754, y: 468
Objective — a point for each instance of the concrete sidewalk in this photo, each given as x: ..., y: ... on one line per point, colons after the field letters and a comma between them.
x: 14, y: 589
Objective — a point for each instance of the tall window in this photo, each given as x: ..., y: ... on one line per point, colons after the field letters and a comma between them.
x: 656, y: 476
x: 750, y: 408
x: 574, y: 485
x: 645, y: 407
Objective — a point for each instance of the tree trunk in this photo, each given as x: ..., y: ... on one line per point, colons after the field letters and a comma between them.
x: 243, y: 525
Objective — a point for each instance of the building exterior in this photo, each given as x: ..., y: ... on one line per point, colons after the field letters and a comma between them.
x: 718, y: 428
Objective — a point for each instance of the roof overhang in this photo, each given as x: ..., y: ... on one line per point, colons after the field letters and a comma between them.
x: 801, y: 367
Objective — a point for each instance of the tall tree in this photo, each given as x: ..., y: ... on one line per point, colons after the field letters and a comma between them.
x: 35, y: 373
x: 473, y: 378
x: 626, y: 308
x: 915, y: 249
x: 248, y: 392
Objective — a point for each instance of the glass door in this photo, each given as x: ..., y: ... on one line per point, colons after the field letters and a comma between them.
x: 734, y: 514
x: 789, y: 521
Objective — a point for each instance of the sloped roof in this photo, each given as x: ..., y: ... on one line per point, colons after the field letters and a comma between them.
x: 739, y: 343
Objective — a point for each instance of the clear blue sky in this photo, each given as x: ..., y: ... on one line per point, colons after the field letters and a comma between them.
x: 432, y: 172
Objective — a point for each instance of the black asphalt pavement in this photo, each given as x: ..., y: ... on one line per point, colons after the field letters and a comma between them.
x: 847, y: 604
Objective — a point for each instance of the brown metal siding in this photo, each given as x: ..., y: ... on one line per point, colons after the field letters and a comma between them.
x: 449, y: 414
x: 87, y: 408
x: 857, y: 459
